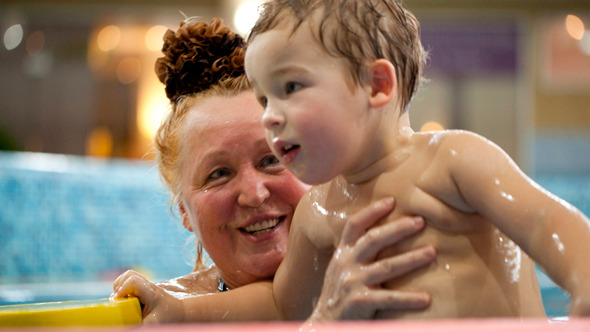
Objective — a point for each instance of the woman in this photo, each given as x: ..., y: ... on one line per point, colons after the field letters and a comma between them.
x: 239, y: 200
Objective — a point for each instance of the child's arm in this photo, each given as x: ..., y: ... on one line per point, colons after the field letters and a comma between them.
x: 554, y: 233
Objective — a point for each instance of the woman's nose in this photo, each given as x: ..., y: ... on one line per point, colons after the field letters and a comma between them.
x: 253, y: 190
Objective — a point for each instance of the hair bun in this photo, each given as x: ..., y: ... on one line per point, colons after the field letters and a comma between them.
x: 197, y: 56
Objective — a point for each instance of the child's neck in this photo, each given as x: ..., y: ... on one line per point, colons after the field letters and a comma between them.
x: 392, y: 146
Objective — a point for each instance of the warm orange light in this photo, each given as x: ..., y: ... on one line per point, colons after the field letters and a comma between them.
x: 574, y: 27
x: 99, y: 143
x: 128, y: 70
x: 151, y: 104
x: 432, y: 126
x: 154, y: 37
x: 108, y: 38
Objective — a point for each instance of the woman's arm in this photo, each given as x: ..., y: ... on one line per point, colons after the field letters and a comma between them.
x: 247, y: 303
x: 357, y: 297
x: 198, y: 282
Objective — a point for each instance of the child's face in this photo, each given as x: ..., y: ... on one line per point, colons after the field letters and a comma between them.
x: 314, y: 121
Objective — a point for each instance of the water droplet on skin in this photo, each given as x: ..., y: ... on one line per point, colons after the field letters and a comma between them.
x: 512, y: 256
x: 447, y: 267
x: 316, y: 263
x: 279, y: 249
x: 558, y: 243
x: 507, y: 196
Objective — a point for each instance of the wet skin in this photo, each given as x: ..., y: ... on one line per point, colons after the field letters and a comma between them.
x: 472, y: 195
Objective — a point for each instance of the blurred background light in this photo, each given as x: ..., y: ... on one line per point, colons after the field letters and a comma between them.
x: 431, y: 126
x: 246, y: 15
x: 585, y: 43
x: 154, y: 37
x: 35, y: 42
x: 99, y: 143
x: 128, y: 70
x: 108, y: 38
x: 13, y: 36
x: 574, y: 26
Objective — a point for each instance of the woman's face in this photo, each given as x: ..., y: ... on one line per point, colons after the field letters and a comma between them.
x: 235, y: 195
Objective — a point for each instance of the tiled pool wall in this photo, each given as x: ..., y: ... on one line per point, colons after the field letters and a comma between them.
x: 69, y: 219
x: 75, y: 219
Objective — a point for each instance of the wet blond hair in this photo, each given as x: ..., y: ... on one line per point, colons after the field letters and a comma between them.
x: 200, y: 60
x: 358, y: 31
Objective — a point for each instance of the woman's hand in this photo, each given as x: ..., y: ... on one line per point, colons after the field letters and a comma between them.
x: 352, y: 285
x: 157, y: 305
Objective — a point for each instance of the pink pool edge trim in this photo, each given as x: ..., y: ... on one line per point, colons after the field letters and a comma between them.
x: 463, y: 325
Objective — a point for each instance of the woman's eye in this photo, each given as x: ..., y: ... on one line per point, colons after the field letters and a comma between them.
x: 269, y: 161
x: 292, y: 87
x: 218, y: 173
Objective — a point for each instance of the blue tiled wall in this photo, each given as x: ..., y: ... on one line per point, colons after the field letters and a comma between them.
x: 66, y: 218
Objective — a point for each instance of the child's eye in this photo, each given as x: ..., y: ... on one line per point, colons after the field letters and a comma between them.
x: 292, y: 87
x: 263, y: 101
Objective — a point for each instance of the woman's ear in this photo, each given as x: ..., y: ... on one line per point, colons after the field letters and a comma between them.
x: 185, y: 217
x: 383, y: 82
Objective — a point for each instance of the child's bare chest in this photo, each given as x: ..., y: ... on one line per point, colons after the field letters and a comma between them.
x: 420, y: 188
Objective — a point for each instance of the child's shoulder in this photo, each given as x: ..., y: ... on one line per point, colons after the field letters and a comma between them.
x: 318, y: 215
x: 451, y: 138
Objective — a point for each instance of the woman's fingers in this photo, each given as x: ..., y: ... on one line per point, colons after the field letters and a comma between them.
x: 396, y: 266
x: 364, y: 219
x: 130, y: 283
x: 380, y: 237
x: 384, y: 299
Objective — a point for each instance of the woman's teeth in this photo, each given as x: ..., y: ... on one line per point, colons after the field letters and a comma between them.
x: 262, y: 226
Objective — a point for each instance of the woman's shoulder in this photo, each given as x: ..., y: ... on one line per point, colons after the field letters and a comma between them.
x: 203, y: 281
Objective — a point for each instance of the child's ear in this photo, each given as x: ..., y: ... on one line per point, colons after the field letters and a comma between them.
x: 383, y: 82
x: 185, y: 218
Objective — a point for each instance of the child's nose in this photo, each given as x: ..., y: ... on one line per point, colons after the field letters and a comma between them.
x: 272, y: 119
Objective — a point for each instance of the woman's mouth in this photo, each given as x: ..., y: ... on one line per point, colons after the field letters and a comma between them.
x: 263, y: 226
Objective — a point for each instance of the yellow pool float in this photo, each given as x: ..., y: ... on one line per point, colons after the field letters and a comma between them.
x: 101, y: 312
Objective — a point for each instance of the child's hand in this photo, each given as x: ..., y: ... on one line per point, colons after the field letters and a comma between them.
x: 157, y: 305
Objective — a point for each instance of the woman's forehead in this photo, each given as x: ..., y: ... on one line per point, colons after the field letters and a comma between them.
x: 219, y: 112
x: 224, y: 120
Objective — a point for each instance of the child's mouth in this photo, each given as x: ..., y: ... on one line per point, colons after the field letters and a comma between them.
x: 289, y: 152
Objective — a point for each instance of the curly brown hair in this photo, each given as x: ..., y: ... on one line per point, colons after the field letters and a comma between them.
x: 198, y: 56
x: 200, y: 60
